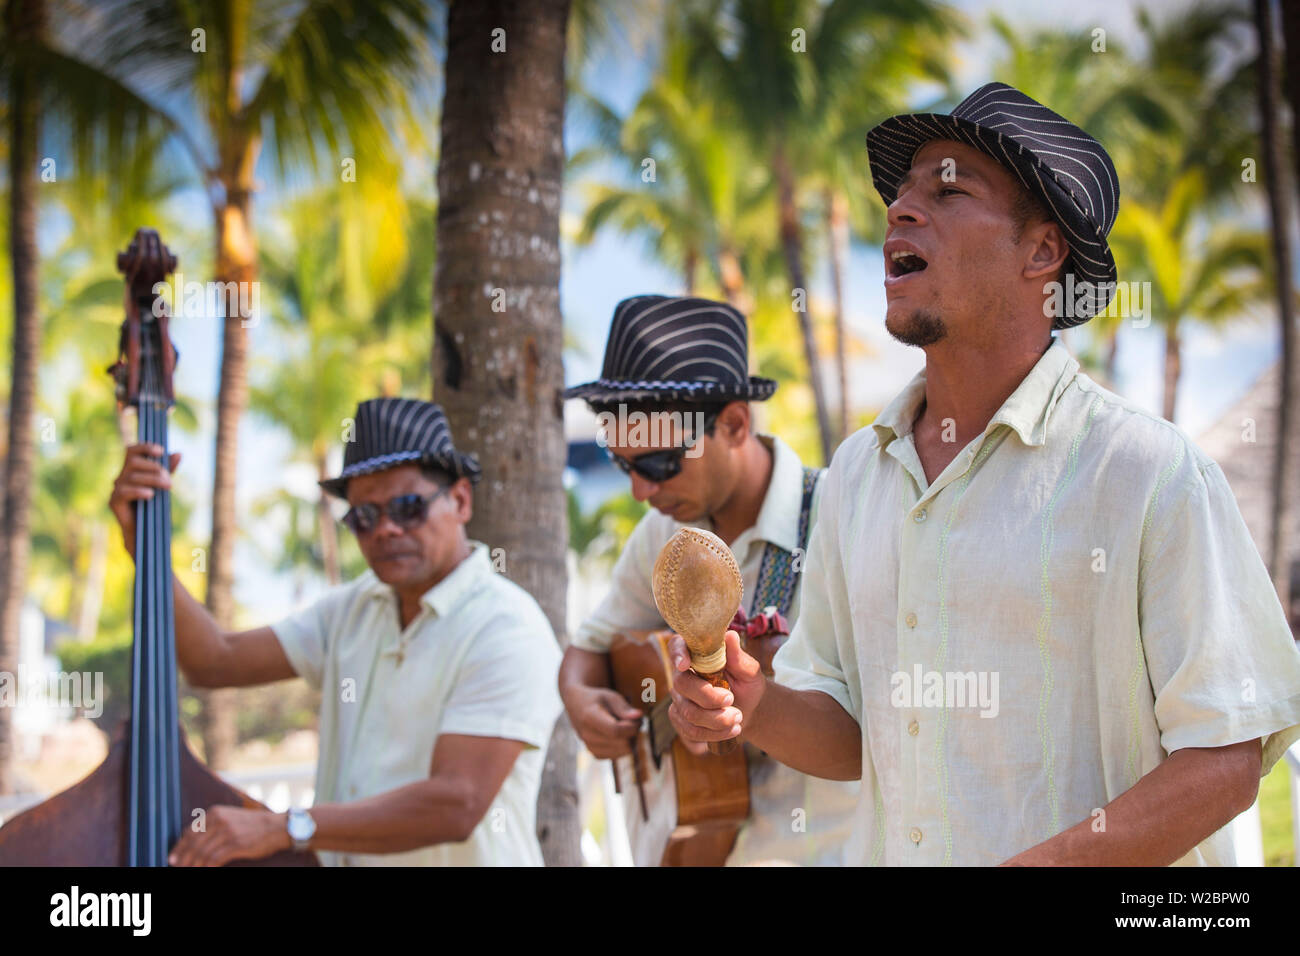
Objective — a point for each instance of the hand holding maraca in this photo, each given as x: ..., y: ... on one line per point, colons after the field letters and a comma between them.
x: 697, y: 587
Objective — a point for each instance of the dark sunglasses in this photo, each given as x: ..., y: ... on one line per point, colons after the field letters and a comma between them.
x: 660, y: 466
x: 405, y: 511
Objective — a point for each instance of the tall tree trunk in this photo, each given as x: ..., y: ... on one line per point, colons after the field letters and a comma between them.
x: 792, y: 248
x: 500, y: 374
x: 837, y: 229
x: 26, y: 23
x: 1287, y: 486
x: 689, y: 268
x: 1173, y: 368
x: 329, y: 534
x: 236, y: 261
x: 733, y: 281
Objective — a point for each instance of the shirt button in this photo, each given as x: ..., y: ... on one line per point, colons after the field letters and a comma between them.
x: 914, y: 728
x: 915, y: 836
x: 919, y: 516
x: 911, y: 620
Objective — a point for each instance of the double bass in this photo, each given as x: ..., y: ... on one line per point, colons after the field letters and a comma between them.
x: 130, y: 810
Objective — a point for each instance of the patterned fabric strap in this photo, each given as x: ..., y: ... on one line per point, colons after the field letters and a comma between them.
x: 777, y: 575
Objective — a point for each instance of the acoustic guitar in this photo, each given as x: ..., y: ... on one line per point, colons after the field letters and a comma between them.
x: 681, y: 809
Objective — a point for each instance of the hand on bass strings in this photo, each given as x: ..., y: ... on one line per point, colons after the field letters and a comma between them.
x: 141, y: 473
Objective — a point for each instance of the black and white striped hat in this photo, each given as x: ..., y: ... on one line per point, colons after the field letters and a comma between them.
x: 395, y: 431
x: 676, y: 349
x: 1055, y: 160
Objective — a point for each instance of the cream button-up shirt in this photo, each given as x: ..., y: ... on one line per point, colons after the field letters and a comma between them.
x: 1075, y: 597
x: 479, y: 659
x: 793, y: 818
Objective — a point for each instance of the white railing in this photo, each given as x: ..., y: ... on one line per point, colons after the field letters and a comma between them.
x: 277, y: 787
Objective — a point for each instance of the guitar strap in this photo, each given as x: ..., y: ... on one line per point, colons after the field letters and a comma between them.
x: 777, y: 575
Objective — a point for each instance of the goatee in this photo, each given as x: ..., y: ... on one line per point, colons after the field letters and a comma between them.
x: 919, y: 328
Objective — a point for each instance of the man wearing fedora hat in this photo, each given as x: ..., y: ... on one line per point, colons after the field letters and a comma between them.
x: 432, y: 708
x: 1034, y: 623
x: 687, y: 360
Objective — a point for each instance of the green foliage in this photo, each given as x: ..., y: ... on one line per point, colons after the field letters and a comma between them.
x: 599, y: 536
x: 112, y: 657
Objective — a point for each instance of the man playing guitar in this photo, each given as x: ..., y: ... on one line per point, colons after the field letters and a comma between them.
x: 703, y: 466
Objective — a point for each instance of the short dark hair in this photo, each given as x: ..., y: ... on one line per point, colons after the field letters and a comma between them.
x: 437, y: 474
x: 1026, y: 208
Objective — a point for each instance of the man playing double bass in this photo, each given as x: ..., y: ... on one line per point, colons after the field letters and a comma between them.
x: 434, y: 722
x: 690, y: 356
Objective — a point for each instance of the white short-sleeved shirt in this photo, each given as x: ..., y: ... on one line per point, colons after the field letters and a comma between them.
x: 479, y: 659
x: 1082, y: 554
x: 794, y: 817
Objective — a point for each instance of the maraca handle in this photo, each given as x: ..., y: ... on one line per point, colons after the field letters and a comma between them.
x: 720, y: 747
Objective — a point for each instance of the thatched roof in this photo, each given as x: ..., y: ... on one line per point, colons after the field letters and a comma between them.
x: 1248, y: 465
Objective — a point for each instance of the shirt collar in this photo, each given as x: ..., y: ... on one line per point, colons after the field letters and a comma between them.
x: 778, y: 518
x: 444, y: 596
x: 1026, y: 410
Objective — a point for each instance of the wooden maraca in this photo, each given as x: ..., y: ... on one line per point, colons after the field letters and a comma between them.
x: 697, y: 588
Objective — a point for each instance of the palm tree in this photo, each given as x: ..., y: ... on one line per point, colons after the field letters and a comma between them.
x: 1211, y: 276
x: 302, y: 79
x: 500, y: 374
x: 779, y: 62
x: 1280, y: 195
x: 1178, y: 182
x: 707, y: 201
x: 870, y: 90
x: 337, y: 354
x: 25, y: 26
x: 1108, y: 94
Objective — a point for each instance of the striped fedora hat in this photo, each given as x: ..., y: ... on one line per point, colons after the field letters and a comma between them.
x: 676, y: 349
x: 396, y: 431
x: 1054, y: 159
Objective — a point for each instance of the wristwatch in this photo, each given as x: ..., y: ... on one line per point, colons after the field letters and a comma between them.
x: 301, y: 828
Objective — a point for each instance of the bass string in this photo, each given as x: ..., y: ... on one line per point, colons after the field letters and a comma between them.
x: 155, y: 799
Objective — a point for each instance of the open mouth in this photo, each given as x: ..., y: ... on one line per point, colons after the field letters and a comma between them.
x: 902, y: 262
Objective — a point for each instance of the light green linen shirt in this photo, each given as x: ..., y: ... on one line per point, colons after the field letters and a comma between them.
x: 1075, y: 597
x: 479, y: 659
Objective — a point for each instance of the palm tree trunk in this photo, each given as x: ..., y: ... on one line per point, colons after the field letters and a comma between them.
x: 792, y: 248
x: 1173, y: 368
x: 236, y: 261
x: 329, y: 537
x: 837, y: 229
x: 500, y: 375
x: 1279, y: 203
x: 26, y: 22
x: 732, y: 277
x: 689, y: 268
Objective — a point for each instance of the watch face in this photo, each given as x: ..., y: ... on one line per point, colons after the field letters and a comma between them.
x: 301, y: 825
